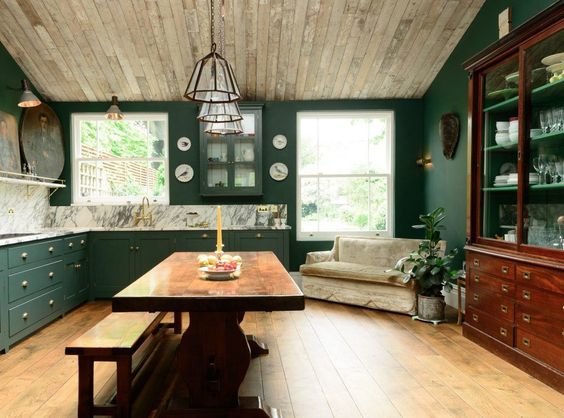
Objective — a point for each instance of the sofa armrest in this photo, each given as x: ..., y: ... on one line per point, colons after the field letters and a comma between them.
x: 319, y: 256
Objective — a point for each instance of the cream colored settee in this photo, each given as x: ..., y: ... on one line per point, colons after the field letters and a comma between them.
x: 358, y: 271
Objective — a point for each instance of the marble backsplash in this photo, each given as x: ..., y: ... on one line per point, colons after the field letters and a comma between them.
x: 164, y: 216
x: 23, y: 208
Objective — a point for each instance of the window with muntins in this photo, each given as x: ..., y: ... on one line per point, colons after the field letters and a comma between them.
x: 119, y: 162
x: 345, y: 174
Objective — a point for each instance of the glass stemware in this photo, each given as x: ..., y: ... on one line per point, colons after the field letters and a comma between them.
x: 551, y: 168
x: 543, y: 117
x: 539, y: 164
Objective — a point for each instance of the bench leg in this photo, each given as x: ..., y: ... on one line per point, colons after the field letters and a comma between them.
x: 178, y: 322
x: 85, y: 387
x: 123, y: 399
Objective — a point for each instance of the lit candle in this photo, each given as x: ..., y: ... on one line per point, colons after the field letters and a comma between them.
x: 219, y: 246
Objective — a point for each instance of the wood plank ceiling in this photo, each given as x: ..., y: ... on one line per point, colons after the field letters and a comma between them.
x: 145, y: 50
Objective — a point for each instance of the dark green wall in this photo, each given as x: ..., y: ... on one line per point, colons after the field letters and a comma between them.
x: 278, y: 118
x: 445, y: 183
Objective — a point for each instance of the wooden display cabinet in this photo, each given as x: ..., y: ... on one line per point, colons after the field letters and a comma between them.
x: 515, y: 233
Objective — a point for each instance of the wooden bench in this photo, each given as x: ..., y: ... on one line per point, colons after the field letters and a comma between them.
x: 130, y: 339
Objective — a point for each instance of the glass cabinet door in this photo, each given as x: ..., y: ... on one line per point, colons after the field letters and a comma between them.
x: 543, y: 206
x: 499, y: 151
x: 231, y: 164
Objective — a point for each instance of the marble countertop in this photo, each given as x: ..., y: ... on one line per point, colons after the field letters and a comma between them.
x: 59, y: 232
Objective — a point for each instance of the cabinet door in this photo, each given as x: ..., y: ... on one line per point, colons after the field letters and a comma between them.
x: 543, y: 206
x: 112, y: 269
x: 150, y: 249
x: 3, y: 308
x: 231, y: 165
x: 262, y: 240
x: 197, y: 241
x: 75, y: 280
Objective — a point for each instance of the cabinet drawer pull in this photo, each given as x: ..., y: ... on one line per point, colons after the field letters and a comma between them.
x: 526, y: 342
x: 476, y: 297
x: 505, y: 269
x: 503, y: 332
x: 51, y: 249
x: 527, y: 318
x: 259, y: 236
x: 504, y: 308
x: 24, y: 316
x: 24, y: 256
x: 82, y: 242
x: 51, y: 302
x: 475, y: 317
x: 526, y: 275
x: 70, y: 244
x: 131, y: 248
x: 136, y: 248
x: 476, y: 262
x: 51, y: 274
x: 204, y: 236
x: 504, y: 288
x: 477, y: 278
x: 526, y: 295
x: 25, y: 283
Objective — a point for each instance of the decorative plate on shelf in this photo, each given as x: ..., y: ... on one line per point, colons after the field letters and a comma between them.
x: 279, y: 141
x: 503, y: 94
x: 553, y: 59
x: 184, y: 173
x: 183, y: 143
x: 278, y: 171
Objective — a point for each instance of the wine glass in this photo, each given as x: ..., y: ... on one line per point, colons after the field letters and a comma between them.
x: 539, y: 164
x: 560, y: 170
x: 551, y: 168
x: 543, y: 117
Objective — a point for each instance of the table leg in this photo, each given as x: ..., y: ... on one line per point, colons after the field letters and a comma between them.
x: 213, y: 358
x: 258, y: 348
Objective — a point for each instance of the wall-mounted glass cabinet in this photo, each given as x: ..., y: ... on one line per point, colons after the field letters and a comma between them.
x: 231, y: 165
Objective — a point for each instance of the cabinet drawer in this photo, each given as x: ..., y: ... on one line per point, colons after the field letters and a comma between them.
x: 542, y: 278
x: 539, y: 323
x: 493, y: 303
x: 75, y: 243
x: 531, y: 298
x: 500, y: 330
x: 27, y: 282
x: 3, y: 260
x: 539, y: 348
x: 493, y: 265
x: 483, y: 282
x: 29, y: 253
x: 28, y: 313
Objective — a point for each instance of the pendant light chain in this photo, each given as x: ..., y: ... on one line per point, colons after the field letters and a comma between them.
x: 212, y: 25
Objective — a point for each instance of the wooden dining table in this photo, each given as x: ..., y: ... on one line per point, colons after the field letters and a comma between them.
x: 214, y: 353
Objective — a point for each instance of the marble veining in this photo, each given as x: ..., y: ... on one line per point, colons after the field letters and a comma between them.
x: 23, y: 208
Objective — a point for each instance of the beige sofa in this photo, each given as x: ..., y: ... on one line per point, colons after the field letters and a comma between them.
x: 358, y: 271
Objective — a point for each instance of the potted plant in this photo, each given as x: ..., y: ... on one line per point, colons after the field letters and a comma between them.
x: 430, y: 268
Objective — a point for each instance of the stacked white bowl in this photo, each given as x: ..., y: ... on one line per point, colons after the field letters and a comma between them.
x: 513, y: 130
x: 534, y: 178
x: 502, y: 133
x: 501, y: 180
x: 512, y: 179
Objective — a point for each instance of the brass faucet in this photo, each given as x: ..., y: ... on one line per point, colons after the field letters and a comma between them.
x: 141, y: 215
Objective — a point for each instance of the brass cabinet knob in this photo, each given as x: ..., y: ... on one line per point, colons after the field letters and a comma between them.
x: 24, y: 255
x: 131, y: 248
x: 505, y: 269
x: 70, y: 244
x: 475, y: 317
x: 477, y: 278
x: 51, y: 302
x: 24, y: 316
x: 476, y: 262
x: 504, y: 288
x: 259, y: 236
x: 136, y: 248
x: 503, y: 308
x: 476, y: 297
x: 526, y: 275
x: 503, y: 332
x: 526, y: 342
x: 25, y: 283
x: 527, y: 318
x: 526, y: 295
x: 51, y: 274
x: 82, y: 242
x: 51, y: 249
x: 204, y: 236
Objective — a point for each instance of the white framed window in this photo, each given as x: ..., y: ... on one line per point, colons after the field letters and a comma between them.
x: 119, y: 162
x: 345, y: 174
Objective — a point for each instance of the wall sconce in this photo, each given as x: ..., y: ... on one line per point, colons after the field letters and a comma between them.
x: 424, y: 162
x: 114, y: 112
x: 28, y: 99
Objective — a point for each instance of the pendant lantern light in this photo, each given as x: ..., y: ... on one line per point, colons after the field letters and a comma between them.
x: 114, y: 112
x: 224, y: 128
x: 28, y: 99
x: 220, y: 112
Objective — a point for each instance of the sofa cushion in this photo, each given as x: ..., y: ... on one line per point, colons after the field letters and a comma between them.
x: 355, y: 271
x: 374, y: 251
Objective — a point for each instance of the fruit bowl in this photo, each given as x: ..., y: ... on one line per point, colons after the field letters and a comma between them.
x: 227, y: 267
x: 211, y: 273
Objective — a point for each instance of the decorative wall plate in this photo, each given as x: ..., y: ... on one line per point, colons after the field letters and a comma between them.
x: 184, y: 173
x: 183, y: 143
x: 279, y: 141
x: 278, y: 171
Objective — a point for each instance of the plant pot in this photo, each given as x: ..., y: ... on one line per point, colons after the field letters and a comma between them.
x: 431, y: 308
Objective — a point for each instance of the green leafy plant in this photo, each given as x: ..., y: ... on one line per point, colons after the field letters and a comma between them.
x: 428, y: 267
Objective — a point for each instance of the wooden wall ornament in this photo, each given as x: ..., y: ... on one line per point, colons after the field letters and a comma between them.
x: 9, y: 145
x: 41, y: 139
x: 449, y: 129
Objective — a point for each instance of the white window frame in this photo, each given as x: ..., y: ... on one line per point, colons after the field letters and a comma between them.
x: 77, y: 199
x: 330, y: 235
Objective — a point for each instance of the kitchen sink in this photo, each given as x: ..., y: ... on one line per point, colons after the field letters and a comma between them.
x: 16, y: 235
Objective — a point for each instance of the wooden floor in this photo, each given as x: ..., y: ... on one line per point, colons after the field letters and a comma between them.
x: 327, y: 361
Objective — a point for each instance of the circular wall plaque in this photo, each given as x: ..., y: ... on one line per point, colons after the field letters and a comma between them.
x: 279, y: 141
x: 183, y: 143
x: 278, y: 171
x: 184, y: 173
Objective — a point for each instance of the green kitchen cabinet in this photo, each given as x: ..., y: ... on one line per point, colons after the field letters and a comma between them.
x: 3, y: 301
x: 196, y: 241
x: 231, y: 165
x: 76, y: 283
x: 119, y: 258
x: 275, y: 240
